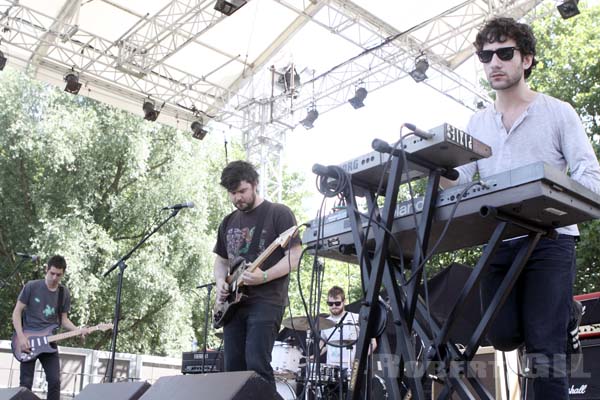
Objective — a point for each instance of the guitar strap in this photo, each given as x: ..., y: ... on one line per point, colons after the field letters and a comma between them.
x: 260, y: 222
x: 61, y: 293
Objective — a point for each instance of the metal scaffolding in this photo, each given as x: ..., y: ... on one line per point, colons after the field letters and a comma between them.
x: 140, y: 62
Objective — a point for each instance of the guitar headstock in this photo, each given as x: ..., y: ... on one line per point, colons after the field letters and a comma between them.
x: 286, y: 236
x: 101, y: 327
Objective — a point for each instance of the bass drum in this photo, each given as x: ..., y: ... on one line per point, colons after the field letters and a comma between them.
x: 285, y: 360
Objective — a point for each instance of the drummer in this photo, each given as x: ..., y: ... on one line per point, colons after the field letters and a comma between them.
x: 345, y: 331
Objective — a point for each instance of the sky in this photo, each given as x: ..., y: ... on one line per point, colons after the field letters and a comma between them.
x: 346, y: 133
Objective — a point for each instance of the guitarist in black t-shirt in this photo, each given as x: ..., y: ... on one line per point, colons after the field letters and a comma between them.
x: 250, y: 330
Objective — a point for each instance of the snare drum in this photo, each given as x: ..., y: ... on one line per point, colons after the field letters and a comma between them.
x: 327, y: 373
x: 285, y: 359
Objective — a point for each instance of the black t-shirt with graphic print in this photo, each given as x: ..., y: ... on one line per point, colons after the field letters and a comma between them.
x: 40, y: 305
x: 235, y: 236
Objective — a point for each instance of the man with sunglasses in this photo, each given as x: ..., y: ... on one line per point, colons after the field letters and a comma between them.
x: 522, y: 127
x: 345, y: 329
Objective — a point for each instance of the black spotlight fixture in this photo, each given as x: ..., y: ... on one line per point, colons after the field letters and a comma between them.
x: 310, y: 119
x: 359, y: 98
x: 3, y: 60
x: 421, y: 66
x: 150, y: 114
x: 228, y: 7
x: 289, y: 80
x: 198, y: 131
x: 73, y: 84
x: 568, y: 8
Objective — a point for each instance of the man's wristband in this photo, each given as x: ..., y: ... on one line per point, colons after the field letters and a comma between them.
x: 264, y: 276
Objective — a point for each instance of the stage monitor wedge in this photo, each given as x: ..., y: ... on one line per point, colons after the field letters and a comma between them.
x: 18, y: 393
x: 113, y: 391
x: 244, y: 385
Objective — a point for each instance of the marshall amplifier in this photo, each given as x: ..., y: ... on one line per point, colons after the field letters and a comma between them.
x: 584, y: 384
x: 191, y: 362
x: 590, y: 320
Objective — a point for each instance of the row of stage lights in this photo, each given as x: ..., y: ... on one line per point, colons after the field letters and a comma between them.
x: 418, y: 74
x: 567, y: 9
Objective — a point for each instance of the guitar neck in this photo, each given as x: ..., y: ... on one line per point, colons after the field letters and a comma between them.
x: 66, y: 335
x: 263, y: 256
x: 281, y: 241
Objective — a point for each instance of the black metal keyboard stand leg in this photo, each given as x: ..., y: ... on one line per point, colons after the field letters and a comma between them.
x: 372, y: 269
x: 457, y: 365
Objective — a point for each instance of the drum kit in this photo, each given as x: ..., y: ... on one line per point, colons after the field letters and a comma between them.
x: 297, y: 379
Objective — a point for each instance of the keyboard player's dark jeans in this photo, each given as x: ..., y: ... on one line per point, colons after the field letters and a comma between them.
x: 537, y: 310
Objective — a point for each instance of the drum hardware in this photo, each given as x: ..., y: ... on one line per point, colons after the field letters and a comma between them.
x: 303, y: 323
x: 285, y: 360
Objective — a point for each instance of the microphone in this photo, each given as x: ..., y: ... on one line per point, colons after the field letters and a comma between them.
x: 206, y: 285
x: 32, y: 257
x: 189, y: 204
x: 323, y: 170
x: 383, y: 147
x: 419, y: 132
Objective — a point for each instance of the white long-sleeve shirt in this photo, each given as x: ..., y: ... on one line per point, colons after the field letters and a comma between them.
x: 549, y: 130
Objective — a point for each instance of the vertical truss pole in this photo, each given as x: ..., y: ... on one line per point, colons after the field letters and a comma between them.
x: 264, y: 147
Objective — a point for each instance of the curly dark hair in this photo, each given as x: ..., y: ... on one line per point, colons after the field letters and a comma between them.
x: 501, y: 29
x: 237, y: 171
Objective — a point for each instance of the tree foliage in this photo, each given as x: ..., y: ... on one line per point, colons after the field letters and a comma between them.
x: 82, y: 179
x: 569, y: 70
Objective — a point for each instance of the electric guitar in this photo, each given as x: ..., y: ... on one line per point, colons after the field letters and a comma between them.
x: 222, y: 311
x: 39, y: 341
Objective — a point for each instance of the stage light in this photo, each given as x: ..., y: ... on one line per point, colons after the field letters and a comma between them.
x: 3, y: 60
x: 359, y: 97
x: 150, y: 114
x: 568, y: 8
x: 228, y: 7
x: 289, y: 81
x: 73, y: 84
x: 198, y: 131
x: 310, y: 119
x: 421, y: 66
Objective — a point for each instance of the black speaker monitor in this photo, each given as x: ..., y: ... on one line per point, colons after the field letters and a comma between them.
x: 244, y: 385
x: 113, y: 391
x: 18, y: 393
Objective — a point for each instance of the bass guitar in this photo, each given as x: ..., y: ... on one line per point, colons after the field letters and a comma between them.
x: 223, y: 310
x: 39, y: 341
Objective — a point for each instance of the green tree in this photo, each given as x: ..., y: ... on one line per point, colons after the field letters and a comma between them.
x: 85, y: 180
x: 569, y: 70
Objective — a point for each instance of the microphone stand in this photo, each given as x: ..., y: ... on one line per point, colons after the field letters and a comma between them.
x: 12, y: 273
x: 209, y: 287
x: 121, y: 264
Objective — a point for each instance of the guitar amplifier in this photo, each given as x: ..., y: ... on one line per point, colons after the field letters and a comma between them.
x: 590, y: 320
x: 191, y: 362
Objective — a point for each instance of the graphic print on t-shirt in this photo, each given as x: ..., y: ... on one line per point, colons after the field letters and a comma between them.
x: 49, y: 311
x: 239, y: 240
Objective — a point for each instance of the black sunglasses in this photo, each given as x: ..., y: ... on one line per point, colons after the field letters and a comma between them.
x: 334, y: 303
x: 503, y: 53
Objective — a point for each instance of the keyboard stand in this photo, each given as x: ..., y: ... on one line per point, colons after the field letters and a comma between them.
x: 443, y: 358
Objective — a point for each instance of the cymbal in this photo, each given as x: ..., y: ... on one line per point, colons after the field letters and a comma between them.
x: 302, y: 323
x: 345, y: 342
x: 219, y: 335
